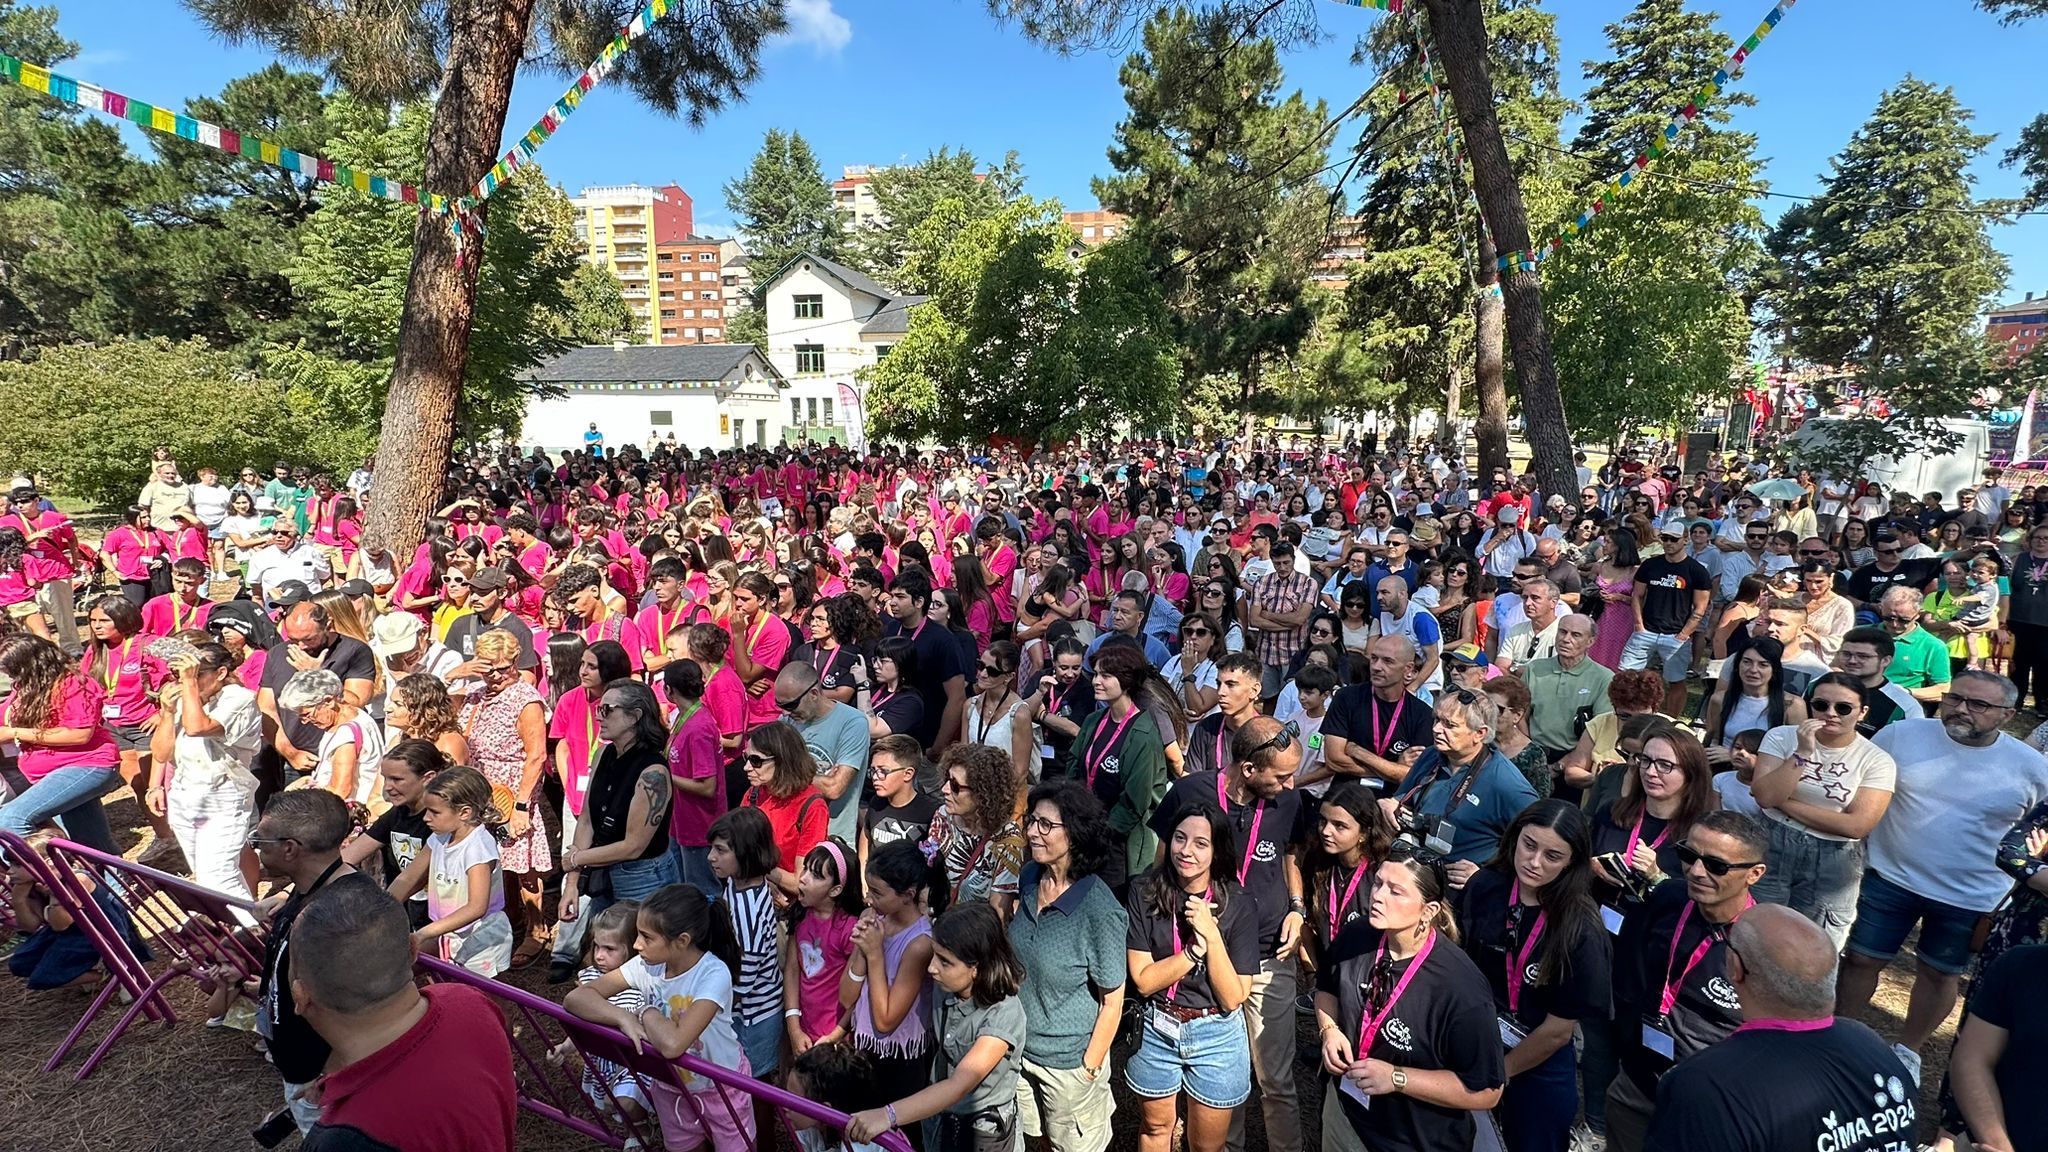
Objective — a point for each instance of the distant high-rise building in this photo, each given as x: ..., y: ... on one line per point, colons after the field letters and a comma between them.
x: 1098, y: 227
x: 854, y: 195
x: 737, y: 277
x: 689, y: 290
x: 1345, y: 247
x: 620, y: 226
x: 2018, y: 326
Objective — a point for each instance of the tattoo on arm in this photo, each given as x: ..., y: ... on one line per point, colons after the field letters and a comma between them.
x: 655, y: 783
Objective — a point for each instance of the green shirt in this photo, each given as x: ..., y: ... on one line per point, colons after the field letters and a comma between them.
x: 1070, y: 950
x: 1562, y: 699
x: 1918, y: 660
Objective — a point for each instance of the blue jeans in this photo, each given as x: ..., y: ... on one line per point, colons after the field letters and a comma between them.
x: 637, y: 880
x: 1599, y: 1064
x: 1536, y: 1110
x: 694, y: 866
x: 72, y: 795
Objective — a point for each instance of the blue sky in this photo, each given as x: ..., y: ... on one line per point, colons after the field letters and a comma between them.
x: 878, y: 81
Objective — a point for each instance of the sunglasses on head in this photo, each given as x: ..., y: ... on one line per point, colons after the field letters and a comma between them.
x: 1715, y: 866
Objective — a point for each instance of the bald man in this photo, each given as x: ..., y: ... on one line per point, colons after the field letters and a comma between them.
x: 1793, y: 1076
x: 837, y: 737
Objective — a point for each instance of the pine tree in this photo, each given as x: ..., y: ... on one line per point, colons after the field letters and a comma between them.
x: 784, y: 206
x: 1886, y: 273
x: 1647, y: 313
x: 907, y: 194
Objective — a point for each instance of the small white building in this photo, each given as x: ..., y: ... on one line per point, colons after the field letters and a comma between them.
x: 825, y: 323
x: 707, y: 395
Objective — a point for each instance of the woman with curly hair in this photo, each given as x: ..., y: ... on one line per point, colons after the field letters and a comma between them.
x: 983, y: 846
x: 421, y: 708
x: 840, y: 628
x: 67, y: 755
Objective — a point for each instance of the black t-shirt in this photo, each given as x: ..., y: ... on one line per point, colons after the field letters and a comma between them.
x: 938, y: 660
x: 1073, y: 703
x: 1282, y: 826
x: 467, y: 627
x: 614, y: 781
x: 346, y: 657
x: 1838, y: 1088
x: 1866, y: 584
x: 1443, y: 1020
x: 1668, y: 589
x: 1386, y: 730
x: 901, y: 711
x: 886, y: 825
x: 2009, y: 996
x: 1611, y: 837
x: 1151, y: 932
x: 1208, y: 744
x: 298, y: 1052
x: 1493, y: 930
x: 401, y: 835
x: 1707, y: 1007
x: 1335, y: 901
x: 837, y: 668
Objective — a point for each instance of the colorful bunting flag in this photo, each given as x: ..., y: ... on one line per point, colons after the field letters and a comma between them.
x: 1661, y: 146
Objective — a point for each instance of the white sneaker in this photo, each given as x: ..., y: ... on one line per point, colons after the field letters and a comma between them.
x: 1910, y: 1059
x: 1584, y: 1139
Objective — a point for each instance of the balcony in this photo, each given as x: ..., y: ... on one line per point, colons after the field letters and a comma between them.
x: 634, y: 293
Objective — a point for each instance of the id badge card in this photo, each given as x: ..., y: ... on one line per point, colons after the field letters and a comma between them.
x: 110, y: 711
x: 1439, y: 842
x: 1167, y: 1026
x: 1045, y: 752
x: 1511, y: 1032
x: 1657, y: 1038
x: 1611, y: 918
x: 1350, y: 1088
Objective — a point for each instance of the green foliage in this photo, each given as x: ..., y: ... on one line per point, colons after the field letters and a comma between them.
x: 597, y: 312
x: 1888, y: 271
x: 1219, y: 175
x: 99, y: 411
x: 747, y: 326
x: 784, y: 207
x: 907, y: 194
x: 1648, y: 322
x: 1333, y: 373
x: 1017, y: 340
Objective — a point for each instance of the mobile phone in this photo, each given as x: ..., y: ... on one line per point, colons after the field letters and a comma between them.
x: 273, y: 1130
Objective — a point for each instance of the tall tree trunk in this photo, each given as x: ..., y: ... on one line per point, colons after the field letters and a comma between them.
x: 1461, y: 45
x: 1489, y: 346
x: 440, y: 298
x: 1454, y: 399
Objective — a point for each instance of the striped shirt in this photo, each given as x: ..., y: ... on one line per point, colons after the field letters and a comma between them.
x: 757, y: 994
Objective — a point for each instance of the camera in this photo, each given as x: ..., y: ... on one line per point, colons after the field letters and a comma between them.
x: 1413, y: 833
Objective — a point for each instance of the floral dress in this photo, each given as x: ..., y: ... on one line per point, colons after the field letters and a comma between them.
x: 491, y: 723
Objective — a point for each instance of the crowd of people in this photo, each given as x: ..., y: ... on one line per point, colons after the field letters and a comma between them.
x: 948, y: 788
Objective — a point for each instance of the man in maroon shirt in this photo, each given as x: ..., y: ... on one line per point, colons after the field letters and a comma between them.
x: 352, y: 980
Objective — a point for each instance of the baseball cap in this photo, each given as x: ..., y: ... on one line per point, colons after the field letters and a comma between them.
x: 1469, y: 655
x: 487, y: 580
x: 292, y: 592
x: 357, y: 588
x: 395, y: 632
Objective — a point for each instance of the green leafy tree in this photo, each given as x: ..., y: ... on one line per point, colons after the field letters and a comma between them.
x: 466, y: 56
x: 596, y: 308
x: 100, y: 408
x: 1017, y: 340
x: 907, y: 194
x: 1888, y: 271
x: 784, y: 206
x: 747, y: 325
x: 1217, y: 172
x: 1647, y: 309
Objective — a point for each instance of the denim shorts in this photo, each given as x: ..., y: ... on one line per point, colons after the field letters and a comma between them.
x: 762, y: 1042
x: 1886, y: 913
x: 1212, y: 1063
x: 1659, y: 652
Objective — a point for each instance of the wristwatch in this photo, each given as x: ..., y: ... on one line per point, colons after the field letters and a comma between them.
x: 1400, y: 1078
x: 521, y: 806
x: 1297, y: 907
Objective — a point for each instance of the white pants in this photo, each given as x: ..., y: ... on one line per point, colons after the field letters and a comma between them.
x: 569, y: 934
x: 212, y: 823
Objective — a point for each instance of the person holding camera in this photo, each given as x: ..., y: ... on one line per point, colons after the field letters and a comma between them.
x: 1462, y: 794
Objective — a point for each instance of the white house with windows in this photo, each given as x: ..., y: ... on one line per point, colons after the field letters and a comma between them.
x: 825, y: 323
x: 705, y: 395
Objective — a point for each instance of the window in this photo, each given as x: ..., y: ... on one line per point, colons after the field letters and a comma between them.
x: 689, y: 333
x: 712, y: 335
x: 796, y: 410
x: 882, y: 351
x: 689, y: 313
x: 761, y: 433
x: 828, y: 409
x: 661, y: 418
x: 668, y: 277
x: 707, y: 276
x: 706, y: 257
x: 814, y: 409
x: 810, y: 359
x: 810, y: 307
x: 1088, y: 232
x: 668, y: 313
x: 668, y: 333
x: 711, y: 313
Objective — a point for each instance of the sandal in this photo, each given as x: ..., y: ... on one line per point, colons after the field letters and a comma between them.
x: 527, y: 953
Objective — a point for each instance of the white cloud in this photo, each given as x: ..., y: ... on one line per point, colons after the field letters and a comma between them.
x: 97, y: 58
x: 813, y: 22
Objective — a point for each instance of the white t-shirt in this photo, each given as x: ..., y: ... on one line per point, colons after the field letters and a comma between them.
x: 1951, y: 807
x: 368, y: 738
x: 210, y: 504
x: 448, y: 868
x: 203, y: 761
x: 707, y: 979
x: 1735, y: 795
x: 1832, y: 783
x: 241, y: 526
x: 1204, y: 674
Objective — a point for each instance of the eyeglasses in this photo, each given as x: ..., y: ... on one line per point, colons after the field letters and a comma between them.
x: 1832, y: 707
x: 1715, y: 866
x: 1645, y: 763
x: 1975, y: 705
x: 255, y: 841
x: 1040, y: 824
x: 1890, y: 619
x: 879, y: 772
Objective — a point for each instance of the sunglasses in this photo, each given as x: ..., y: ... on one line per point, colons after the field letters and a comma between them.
x: 604, y: 711
x: 1279, y: 741
x: 1187, y: 632
x: 755, y: 759
x: 1889, y: 551
x: 1832, y: 707
x: 1714, y: 865
x: 992, y: 670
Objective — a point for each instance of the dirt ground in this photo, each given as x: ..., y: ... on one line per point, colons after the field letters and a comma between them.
x: 189, y: 1087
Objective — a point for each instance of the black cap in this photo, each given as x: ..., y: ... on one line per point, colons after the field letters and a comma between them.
x: 292, y: 592
x: 357, y: 588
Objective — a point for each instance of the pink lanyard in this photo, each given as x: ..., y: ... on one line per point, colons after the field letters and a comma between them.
x: 1251, y: 840
x: 1173, y: 989
x: 1336, y: 908
x: 1635, y: 837
x: 1669, y: 999
x: 829, y: 654
x: 1518, y: 966
x: 1787, y: 1025
x: 1379, y: 741
x: 1369, y: 1026
x: 1094, y: 758
x: 1221, y: 731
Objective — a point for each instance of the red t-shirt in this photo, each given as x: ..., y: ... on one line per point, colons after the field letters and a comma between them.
x: 799, y: 822
x: 460, y: 1043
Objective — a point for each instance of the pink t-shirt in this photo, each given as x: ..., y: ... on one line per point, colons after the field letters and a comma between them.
x: 126, y: 678
x: 693, y: 754
x: 726, y: 698
x: 767, y: 642
x: 79, y: 702
x: 575, y: 725
x: 618, y: 627
x: 822, y: 947
x: 167, y: 614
